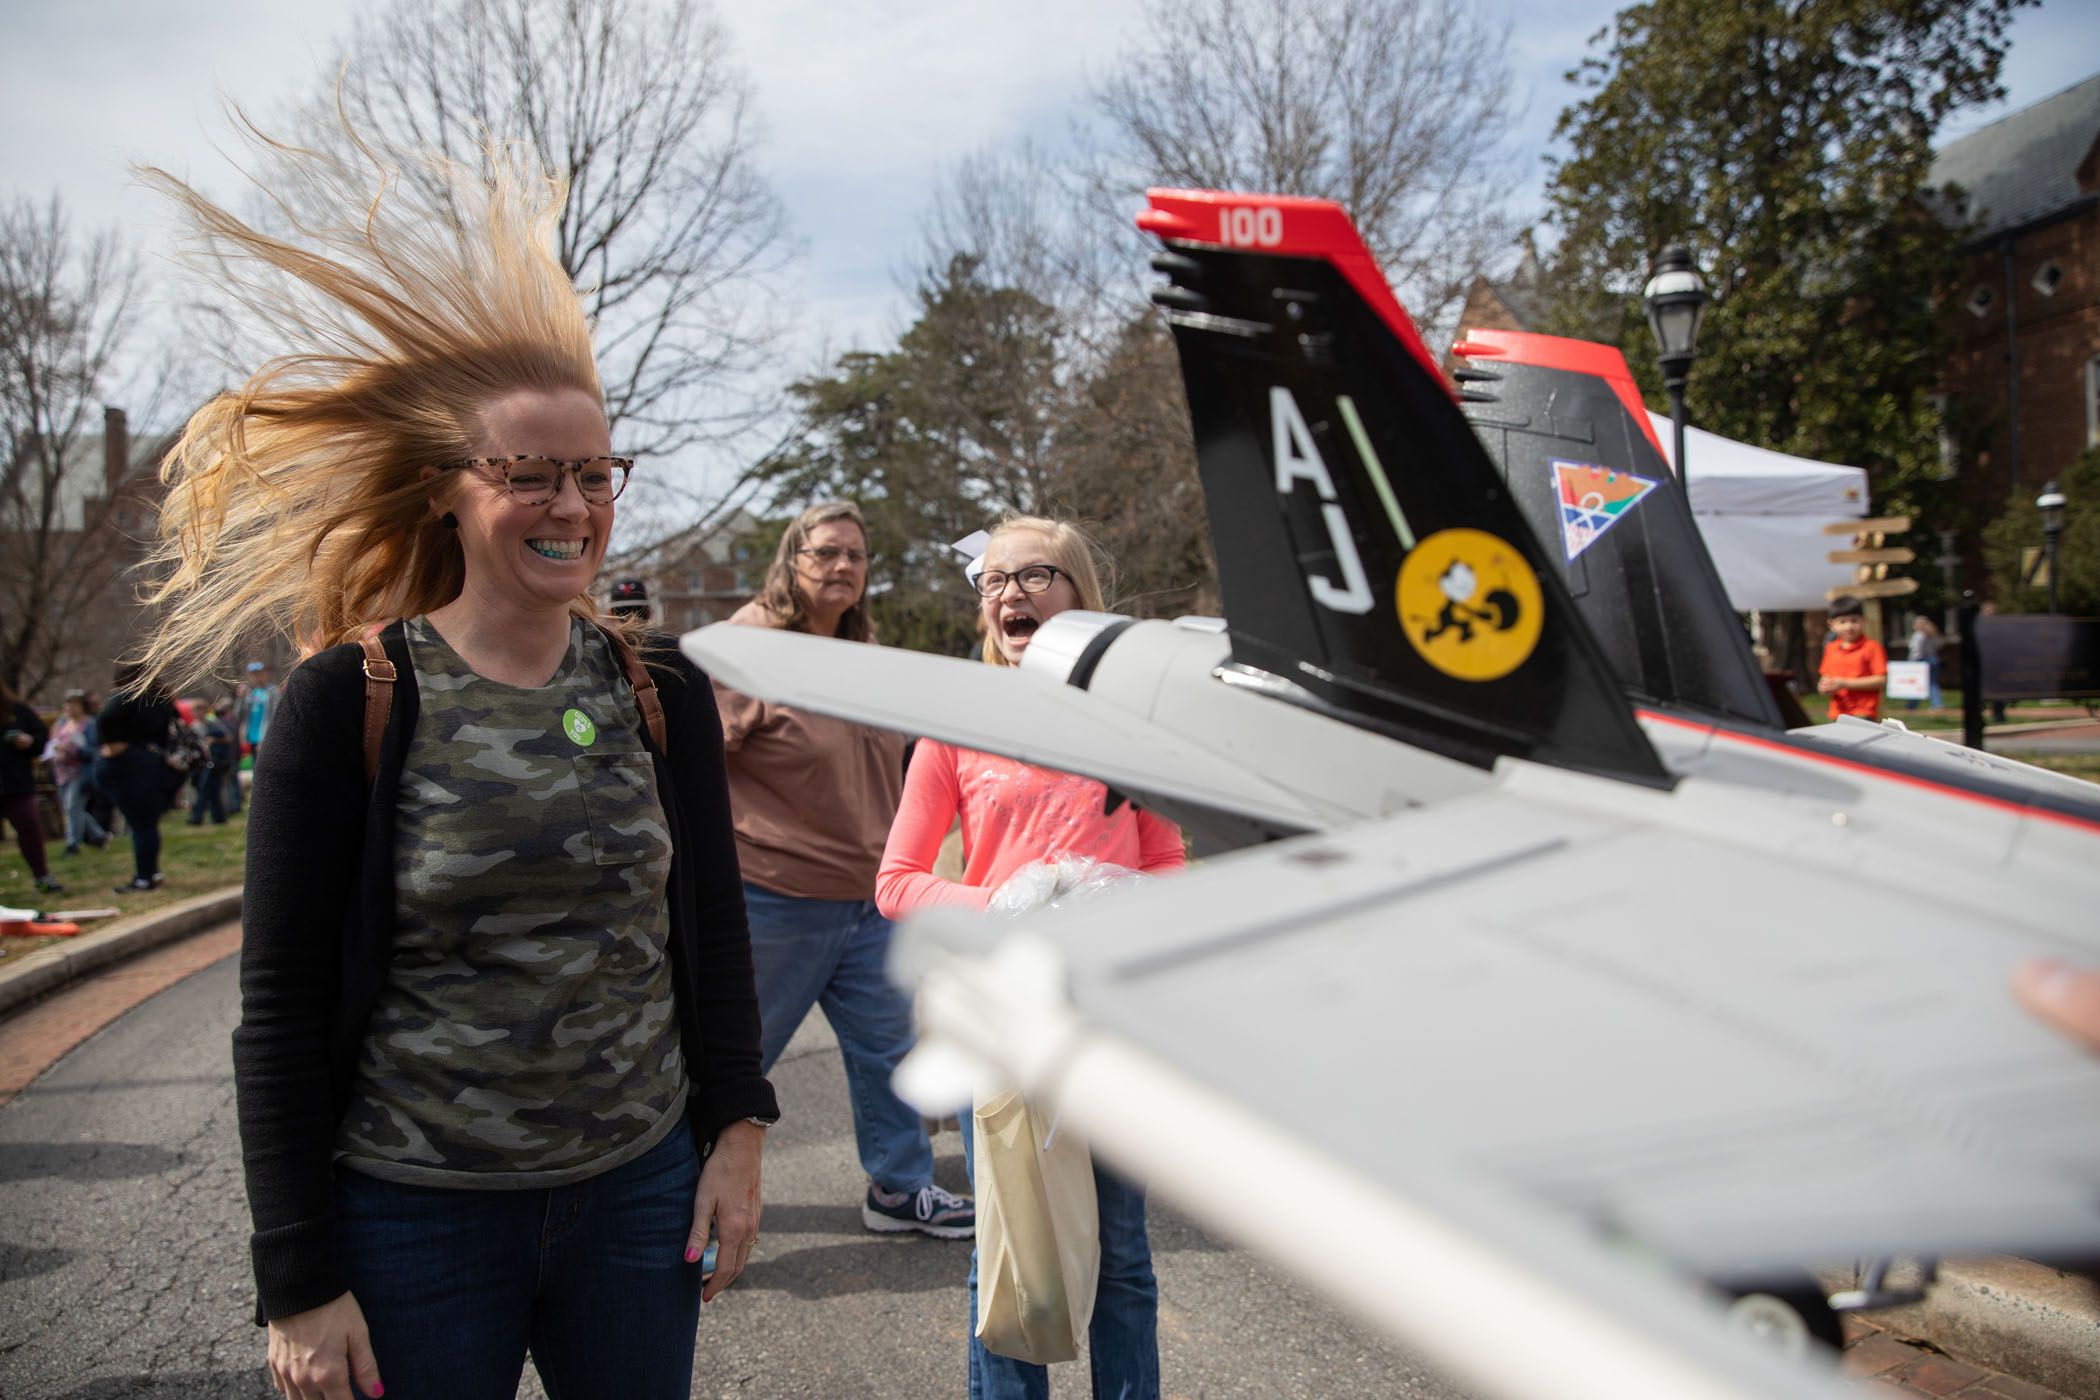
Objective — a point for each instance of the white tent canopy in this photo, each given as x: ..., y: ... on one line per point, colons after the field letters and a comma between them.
x: 1762, y: 515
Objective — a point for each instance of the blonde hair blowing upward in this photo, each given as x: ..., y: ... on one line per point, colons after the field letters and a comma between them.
x: 297, y: 502
x: 1071, y: 549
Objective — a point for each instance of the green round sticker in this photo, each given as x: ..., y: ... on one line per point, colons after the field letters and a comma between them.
x: 577, y: 725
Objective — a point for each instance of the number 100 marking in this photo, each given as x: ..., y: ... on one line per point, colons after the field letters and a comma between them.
x: 1245, y: 227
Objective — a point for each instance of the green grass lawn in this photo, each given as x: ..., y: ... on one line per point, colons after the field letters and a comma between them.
x: 195, y: 859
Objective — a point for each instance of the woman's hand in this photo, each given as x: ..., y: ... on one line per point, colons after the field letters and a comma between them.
x: 320, y: 1353
x: 728, y: 1199
x: 2063, y: 996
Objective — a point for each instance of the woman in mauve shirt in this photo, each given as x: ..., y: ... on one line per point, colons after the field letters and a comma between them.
x: 1014, y: 814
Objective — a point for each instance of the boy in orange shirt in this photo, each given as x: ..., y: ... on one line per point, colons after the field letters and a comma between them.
x: 1855, y: 668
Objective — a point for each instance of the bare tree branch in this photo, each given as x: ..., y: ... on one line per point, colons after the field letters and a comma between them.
x: 1396, y: 109
x: 669, y: 230
x: 66, y: 306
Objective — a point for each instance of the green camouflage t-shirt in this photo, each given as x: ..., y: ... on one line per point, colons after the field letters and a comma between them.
x: 525, y: 1036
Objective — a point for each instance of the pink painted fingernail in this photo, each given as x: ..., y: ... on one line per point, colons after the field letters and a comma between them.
x: 377, y: 1390
x: 692, y: 1255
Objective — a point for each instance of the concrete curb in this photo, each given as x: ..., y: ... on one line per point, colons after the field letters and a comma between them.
x: 2013, y: 1315
x: 52, y: 967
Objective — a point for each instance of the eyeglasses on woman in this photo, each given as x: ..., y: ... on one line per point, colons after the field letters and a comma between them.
x: 534, y: 481
x: 1036, y: 578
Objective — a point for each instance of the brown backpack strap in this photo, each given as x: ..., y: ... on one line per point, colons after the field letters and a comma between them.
x: 645, y: 697
x: 379, y: 701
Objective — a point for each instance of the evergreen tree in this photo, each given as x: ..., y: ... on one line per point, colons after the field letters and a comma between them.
x: 933, y: 440
x: 1787, y: 143
x: 2007, y: 539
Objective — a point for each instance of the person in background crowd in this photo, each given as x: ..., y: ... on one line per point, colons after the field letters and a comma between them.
x: 1925, y: 647
x: 133, y: 766
x: 251, y: 722
x: 497, y: 1064
x: 813, y: 799
x: 217, y: 735
x: 71, y: 753
x: 1013, y: 815
x: 1855, y: 667
x: 20, y: 744
x: 100, y: 805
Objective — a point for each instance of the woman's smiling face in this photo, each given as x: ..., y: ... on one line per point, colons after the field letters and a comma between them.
x: 1011, y: 616
x: 543, y: 555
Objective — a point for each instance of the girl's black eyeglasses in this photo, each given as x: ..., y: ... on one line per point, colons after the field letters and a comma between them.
x: 1036, y: 578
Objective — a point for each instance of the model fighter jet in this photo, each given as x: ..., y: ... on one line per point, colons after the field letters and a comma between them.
x: 1552, y: 966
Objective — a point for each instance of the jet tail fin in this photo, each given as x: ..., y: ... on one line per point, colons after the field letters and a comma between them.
x: 1368, y: 551
x: 1563, y: 421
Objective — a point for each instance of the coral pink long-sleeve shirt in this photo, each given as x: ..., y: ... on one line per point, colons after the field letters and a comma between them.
x: 1012, y: 814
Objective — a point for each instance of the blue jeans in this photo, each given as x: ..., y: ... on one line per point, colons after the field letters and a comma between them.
x: 210, y: 797
x: 80, y: 826
x: 457, y: 1285
x: 1123, y: 1338
x: 831, y: 953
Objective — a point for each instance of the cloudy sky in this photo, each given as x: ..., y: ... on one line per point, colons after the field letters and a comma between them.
x: 865, y: 102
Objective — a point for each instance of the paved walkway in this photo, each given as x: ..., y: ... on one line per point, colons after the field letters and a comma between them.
x: 1889, y: 1366
x: 123, y: 1239
x: 123, y: 1261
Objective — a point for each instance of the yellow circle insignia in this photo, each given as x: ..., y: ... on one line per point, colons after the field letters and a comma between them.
x: 1470, y: 604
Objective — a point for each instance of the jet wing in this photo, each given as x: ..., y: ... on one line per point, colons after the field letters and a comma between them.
x: 1946, y: 761
x: 1557, y: 1000
x: 991, y: 709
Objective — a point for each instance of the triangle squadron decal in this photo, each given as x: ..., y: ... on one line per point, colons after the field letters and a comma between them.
x: 1592, y: 500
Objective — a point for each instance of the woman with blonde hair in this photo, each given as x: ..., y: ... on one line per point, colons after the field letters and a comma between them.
x: 813, y: 798
x: 496, y: 992
x: 1014, y: 815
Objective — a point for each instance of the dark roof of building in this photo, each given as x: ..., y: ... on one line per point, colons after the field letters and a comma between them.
x: 2023, y: 168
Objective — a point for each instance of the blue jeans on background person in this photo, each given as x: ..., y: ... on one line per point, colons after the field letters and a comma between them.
x: 137, y: 781
x: 210, y: 797
x: 1932, y: 676
x: 458, y: 1285
x: 81, y: 826
x: 1123, y: 1338
x: 833, y: 953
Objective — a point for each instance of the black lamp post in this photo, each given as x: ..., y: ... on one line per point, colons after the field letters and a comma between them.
x: 1675, y: 299
x: 2051, y: 504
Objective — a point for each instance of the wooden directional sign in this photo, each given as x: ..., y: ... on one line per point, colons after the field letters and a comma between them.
x: 1881, y: 588
x: 1886, y: 524
x: 1871, y: 556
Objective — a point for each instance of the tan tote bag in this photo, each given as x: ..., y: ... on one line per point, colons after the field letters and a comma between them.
x: 1038, y: 1233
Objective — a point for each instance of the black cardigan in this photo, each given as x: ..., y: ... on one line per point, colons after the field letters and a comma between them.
x: 317, y: 929
x: 18, y: 766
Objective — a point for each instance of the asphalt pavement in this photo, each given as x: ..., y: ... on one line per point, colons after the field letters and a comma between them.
x: 123, y: 1252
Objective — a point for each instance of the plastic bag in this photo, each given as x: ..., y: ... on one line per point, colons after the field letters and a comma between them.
x: 1038, y: 1233
x: 1057, y: 882
x: 1038, y: 1222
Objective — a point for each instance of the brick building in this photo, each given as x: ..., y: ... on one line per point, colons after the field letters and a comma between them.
x: 1511, y: 304
x: 79, y: 569
x: 700, y: 580
x: 2024, y: 383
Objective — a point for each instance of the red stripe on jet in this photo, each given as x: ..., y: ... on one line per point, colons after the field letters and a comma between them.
x: 1855, y: 765
x: 1304, y: 228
